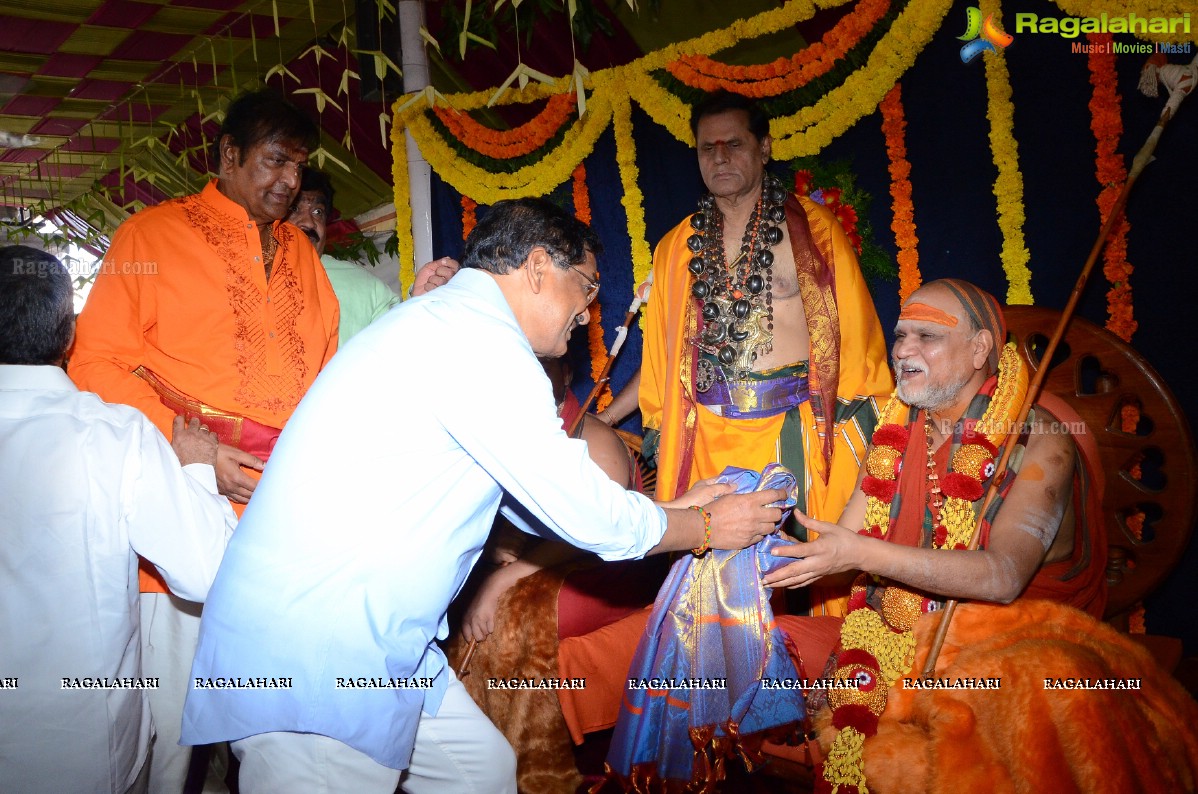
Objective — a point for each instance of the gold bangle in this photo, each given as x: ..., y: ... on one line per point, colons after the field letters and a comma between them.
x: 703, y: 549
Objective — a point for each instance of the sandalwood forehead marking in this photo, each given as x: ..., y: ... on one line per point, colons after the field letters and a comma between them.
x: 922, y: 312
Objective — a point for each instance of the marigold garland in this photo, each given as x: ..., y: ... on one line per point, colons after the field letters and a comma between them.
x: 1008, y: 188
x: 814, y: 127
x: 469, y: 215
x: 784, y: 74
x: 536, y: 179
x: 403, y: 210
x: 1106, y: 122
x: 633, y: 199
x: 877, y: 647
x: 894, y: 128
x: 516, y: 142
x: 595, y: 340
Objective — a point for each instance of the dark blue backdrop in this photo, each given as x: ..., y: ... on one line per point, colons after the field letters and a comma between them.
x: 952, y: 179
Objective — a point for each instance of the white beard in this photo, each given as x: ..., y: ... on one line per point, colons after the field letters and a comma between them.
x: 930, y: 398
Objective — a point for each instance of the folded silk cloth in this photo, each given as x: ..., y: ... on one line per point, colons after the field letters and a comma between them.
x: 695, y: 694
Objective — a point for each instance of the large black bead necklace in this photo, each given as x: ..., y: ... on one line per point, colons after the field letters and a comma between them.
x: 736, y: 300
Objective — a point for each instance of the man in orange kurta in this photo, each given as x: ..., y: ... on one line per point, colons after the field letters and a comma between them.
x: 826, y: 339
x: 211, y: 305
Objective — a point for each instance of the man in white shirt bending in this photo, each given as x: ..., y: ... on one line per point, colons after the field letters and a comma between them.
x: 85, y: 487
x: 317, y: 653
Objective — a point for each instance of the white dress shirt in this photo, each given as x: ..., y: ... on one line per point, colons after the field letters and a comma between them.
x: 84, y: 488
x: 374, y: 508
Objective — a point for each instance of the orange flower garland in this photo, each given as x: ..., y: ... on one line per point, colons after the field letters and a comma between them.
x: 516, y: 142
x: 894, y: 127
x: 469, y: 205
x: 784, y: 74
x: 595, y: 340
x: 1107, y: 124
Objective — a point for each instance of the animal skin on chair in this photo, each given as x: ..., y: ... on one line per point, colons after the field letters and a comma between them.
x: 1027, y: 735
x: 524, y: 645
x: 533, y: 615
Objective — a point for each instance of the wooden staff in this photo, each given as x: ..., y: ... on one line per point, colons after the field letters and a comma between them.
x: 622, y: 334
x: 637, y: 301
x: 1143, y: 157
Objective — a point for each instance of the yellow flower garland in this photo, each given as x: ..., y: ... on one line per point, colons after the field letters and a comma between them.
x: 403, y: 210
x: 536, y: 179
x: 883, y: 642
x: 1008, y: 188
x: 633, y: 199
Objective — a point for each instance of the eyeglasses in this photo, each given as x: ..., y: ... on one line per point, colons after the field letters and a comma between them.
x: 592, y: 284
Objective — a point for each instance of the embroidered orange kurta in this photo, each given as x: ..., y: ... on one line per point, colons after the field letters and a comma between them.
x: 183, y: 292
x: 846, y: 341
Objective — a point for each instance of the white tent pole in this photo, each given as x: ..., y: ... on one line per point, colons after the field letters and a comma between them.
x: 415, y: 78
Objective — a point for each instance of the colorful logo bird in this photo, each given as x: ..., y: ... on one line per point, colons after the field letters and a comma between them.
x: 981, y: 36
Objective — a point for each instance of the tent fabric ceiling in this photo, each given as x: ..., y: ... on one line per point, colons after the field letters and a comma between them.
x: 84, y: 81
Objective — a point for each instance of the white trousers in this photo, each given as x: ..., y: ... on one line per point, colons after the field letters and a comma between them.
x: 170, y: 628
x: 458, y: 751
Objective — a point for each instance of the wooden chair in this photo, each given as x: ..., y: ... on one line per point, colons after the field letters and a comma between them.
x: 1150, y: 464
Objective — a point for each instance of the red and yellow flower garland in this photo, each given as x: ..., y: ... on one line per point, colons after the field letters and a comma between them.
x: 1106, y: 121
x: 784, y: 74
x: 877, y: 647
x: 516, y: 142
x: 803, y: 133
x: 894, y: 128
x: 595, y: 341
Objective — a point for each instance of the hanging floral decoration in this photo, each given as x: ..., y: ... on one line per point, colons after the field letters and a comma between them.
x: 595, y: 341
x: 1008, y: 188
x: 469, y: 216
x: 894, y: 128
x: 405, y: 245
x: 507, y: 144
x: 784, y: 74
x: 1106, y: 121
x: 814, y: 97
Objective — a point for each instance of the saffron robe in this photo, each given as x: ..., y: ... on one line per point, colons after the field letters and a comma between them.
x: 823, y: 440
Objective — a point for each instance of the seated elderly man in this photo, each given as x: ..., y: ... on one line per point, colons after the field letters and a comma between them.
x: 991, y: 717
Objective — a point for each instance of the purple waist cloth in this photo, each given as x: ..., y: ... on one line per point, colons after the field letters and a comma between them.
x: 751, y: 398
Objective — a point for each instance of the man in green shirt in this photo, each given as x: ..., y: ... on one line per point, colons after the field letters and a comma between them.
x: 363, y: 297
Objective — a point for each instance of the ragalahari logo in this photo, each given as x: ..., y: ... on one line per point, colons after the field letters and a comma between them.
x: 981, y: 36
